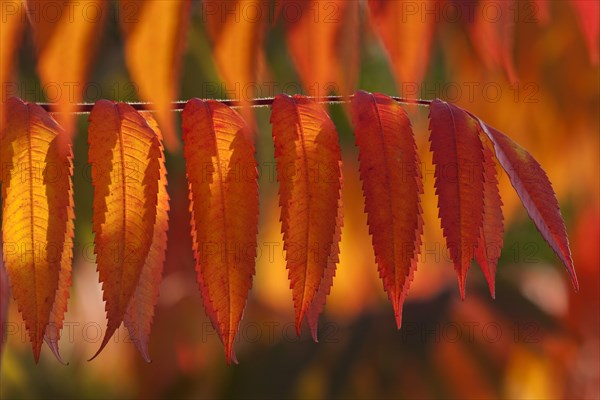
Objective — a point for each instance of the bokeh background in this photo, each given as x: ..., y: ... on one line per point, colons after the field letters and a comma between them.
x: 537, y: 339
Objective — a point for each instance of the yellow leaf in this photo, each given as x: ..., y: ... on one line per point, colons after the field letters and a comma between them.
x: 37, y: 215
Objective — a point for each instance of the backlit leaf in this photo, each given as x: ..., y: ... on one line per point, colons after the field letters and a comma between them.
x: 391, y: 176
x: 458, y: 159
x: 222, y: 177
x: 125, y: 156
x: 308, y: 170
x: 37, y: 215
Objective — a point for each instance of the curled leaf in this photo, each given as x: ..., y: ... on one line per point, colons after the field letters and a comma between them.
x: 140, y: 312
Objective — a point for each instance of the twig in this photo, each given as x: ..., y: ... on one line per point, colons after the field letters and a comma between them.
x: 86, y: 108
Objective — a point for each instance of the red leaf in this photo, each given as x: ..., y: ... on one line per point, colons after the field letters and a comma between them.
x: 588, y: 12
x: 308, y: 170
x: 327, y: 282
x: 458, y: 159
x: 222, y: 177
x: 488, y: 249
x: 536, y: 193
x: 493, y: 34
x: 390, y: 172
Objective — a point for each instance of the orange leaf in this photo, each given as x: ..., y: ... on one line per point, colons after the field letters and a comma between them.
x: 237, y: 46
x: 66, y: 47
x: 535, y: 191
x: 324, y: 289
x: 391, y: 176
x: 492, y: 34
x: 406, y: 33
x: 491, y: 235
x: 37, y: 215
x: 155, y: 34
x: 125, y: 156
x: 323, y: 43
x: 310, y: 179
x: 222, y: 177
x: 11, y: 28
x: 458, y: 159
x: 140, y: 311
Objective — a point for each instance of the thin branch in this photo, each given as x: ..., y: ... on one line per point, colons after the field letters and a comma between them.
x: 86, y: 108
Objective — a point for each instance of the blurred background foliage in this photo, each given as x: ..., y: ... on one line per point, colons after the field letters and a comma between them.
x: 538, y: 339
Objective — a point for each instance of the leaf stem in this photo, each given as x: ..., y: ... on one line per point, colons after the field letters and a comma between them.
x: 86, y: 108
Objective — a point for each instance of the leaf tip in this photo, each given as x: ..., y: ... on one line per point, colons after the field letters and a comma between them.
x: 398, y: 315
x: 53, y: 345
x: 461, y: 285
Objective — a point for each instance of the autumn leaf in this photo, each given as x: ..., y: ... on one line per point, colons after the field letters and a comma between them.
x: 222, y: 177
x: 308, y: 170
x: 391, y: 176
x: 37, y: 215
x: 535, y: 191
x: 155, y: 37
x: 459, y: 183
x: 125, y: 156
x: 323, y: 43
x: 406, y: 37
x: 57, y: 315
x: 11, y: 28
x: 140, y: 312
x: 318, y: 303
x: 66, y: 46
x: 493, y: 37
x: 237, y: 46
x: 489, y: 246
x: 588, y: 12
